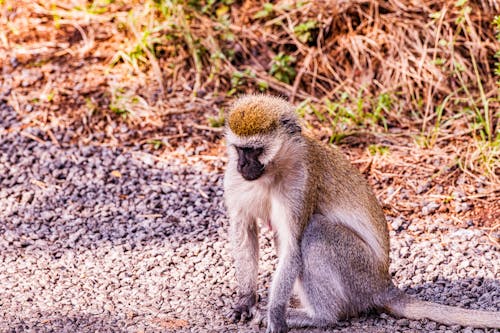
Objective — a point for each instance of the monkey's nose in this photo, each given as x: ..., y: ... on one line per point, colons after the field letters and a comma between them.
x: 251, y: 171
x: 242, y: 166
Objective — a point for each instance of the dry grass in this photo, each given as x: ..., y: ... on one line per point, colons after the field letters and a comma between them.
x: 422, y: 69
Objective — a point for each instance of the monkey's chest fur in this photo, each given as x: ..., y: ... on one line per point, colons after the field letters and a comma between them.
x: 275, y: 206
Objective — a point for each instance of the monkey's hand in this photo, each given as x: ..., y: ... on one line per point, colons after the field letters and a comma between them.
x: 280, y: 327
x: 276, y: 322
x: 244, y: 309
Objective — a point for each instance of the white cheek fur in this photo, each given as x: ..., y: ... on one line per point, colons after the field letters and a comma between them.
x: 271, y: 151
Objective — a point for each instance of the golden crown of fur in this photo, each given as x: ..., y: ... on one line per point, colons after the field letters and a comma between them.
x: 256, y: 114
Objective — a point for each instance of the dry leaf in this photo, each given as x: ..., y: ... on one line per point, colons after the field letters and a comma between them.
x: 116, y: 174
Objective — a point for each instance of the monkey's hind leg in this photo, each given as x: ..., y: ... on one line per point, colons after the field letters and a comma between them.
x: 338, y: 279
x: 300, y: 318
x: 319, y: 284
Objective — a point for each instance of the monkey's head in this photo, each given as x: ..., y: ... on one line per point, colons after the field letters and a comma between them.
x: 257, y: 128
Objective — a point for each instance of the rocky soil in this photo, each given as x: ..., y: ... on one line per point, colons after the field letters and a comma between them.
x: 103, y: 239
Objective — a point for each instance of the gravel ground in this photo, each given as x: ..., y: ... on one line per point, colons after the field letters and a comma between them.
x: 96, y: 239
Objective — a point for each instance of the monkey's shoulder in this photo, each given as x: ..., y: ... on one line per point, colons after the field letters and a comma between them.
x: 327, y: 157
x: 331, y: 172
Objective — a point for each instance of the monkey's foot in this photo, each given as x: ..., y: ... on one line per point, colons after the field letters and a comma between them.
x: 260, y: 318
x: 298, y: 318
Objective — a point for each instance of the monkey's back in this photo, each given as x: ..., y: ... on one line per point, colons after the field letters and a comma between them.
x: 339, y: 191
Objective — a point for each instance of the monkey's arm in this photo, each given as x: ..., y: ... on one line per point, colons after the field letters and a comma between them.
x: 245, y: 248
x: 286, y: 273
x: 287, y: 224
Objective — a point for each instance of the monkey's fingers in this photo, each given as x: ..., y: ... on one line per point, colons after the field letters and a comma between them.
x: 260, y: 318
x: 229, y: 314
x: 273, y: 328
x: 241, y: 313
x: 276, y: 322
x: 244, y: 309
x: 235, y: 316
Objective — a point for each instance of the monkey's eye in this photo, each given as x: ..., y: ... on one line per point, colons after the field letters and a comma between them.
x: 249, y: 152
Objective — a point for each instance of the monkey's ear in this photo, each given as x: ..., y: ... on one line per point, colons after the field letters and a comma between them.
x: 290, y: 125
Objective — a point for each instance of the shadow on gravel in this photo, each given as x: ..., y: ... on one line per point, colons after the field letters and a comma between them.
x: 81, y: 197
x: 469, y: 292
x: 71, y: 323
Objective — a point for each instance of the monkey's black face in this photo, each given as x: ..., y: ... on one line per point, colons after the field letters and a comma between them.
x: 249, y: 165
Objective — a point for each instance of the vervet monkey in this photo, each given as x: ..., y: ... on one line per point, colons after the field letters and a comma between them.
x: 333, y: 241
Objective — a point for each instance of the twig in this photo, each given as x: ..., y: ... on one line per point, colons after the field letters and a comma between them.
x: 52, y: 137
x: 298, y: 78
x: 32, y: 137
x: 208, y: 128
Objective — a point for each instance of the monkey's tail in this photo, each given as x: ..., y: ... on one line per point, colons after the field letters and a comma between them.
x: 406, y: 306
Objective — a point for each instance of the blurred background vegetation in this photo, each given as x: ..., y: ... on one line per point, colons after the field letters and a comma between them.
x: 427, y: 71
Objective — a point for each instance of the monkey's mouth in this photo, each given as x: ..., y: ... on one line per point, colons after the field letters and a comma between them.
x: 251, y: 172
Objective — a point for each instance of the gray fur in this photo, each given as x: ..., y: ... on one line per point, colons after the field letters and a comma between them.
x: 330, y: 249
